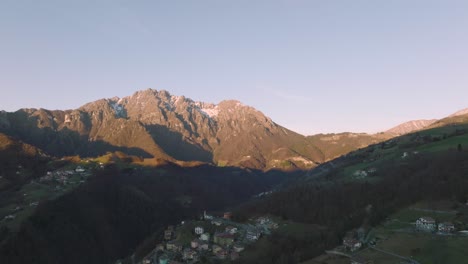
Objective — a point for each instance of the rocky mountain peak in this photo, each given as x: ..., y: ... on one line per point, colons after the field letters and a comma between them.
x: 155, y: 123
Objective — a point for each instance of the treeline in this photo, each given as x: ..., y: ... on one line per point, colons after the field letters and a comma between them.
x: 341, y: 207
x: 109, y: 216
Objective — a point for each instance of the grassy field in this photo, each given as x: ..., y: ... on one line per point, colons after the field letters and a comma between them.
x: 440, y: 131
x: 449, y: 143
x: 400, y: 238
x: 326, y: 259
x: 379, y: 257
x: 443, y: 249
x: 29, y: 193
x: 424, y: 247
x: 413, y: 213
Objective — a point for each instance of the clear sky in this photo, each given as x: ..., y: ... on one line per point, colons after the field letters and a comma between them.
x: 312, y: 66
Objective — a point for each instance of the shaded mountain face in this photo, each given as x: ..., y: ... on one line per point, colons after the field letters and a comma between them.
x: 19, y: 162
x: 116, y: 210
x: 156, y: 124
x: 410, y: 126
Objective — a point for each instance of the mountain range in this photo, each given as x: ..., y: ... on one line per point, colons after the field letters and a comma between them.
x: 159, y: 127
x: 213, y: 157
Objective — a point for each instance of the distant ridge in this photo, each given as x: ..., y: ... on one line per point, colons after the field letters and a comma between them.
x: 459, y: 113
x: 410, y: 126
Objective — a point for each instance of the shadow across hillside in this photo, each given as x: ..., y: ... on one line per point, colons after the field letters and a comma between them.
x: 116, y: 210
x: 174, y: 144
x: 63, y: 142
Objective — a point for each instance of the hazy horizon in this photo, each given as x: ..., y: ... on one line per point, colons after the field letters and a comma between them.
x: 312, y: 66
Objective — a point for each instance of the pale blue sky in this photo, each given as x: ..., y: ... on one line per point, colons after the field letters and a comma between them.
x: 312, y: 66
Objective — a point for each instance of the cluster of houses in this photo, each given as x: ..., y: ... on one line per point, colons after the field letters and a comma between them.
x: 62, y: 176
x: 428, y: 224
x: 361, y: 174
x: 58, y: 178
x: 354, y: 241
x: 225, y: 243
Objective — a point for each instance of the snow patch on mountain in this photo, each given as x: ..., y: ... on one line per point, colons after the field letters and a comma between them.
x: 175, y: 99
x: 210, y: 112
x: 119, y: 110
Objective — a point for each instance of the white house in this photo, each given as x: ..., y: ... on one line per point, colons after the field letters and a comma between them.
x: 426, y: 224
x: 206, y: 216
x: 199, y: 230
x: 446, y: 227
x: 351, y: 244
x: 231, y: 230
x: 252, y: 235
x: 216, y: 222
x: 205, y: 237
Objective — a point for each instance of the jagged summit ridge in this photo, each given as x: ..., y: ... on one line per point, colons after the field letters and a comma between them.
x: 152, y: 123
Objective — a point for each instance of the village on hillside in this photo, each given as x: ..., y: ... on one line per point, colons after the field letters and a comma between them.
x: 404, y: 238
x: 216, y: 238
x: 53, y: 184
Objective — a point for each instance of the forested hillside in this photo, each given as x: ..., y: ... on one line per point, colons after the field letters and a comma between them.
x: 109, y: 216
x: 336, y: 205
